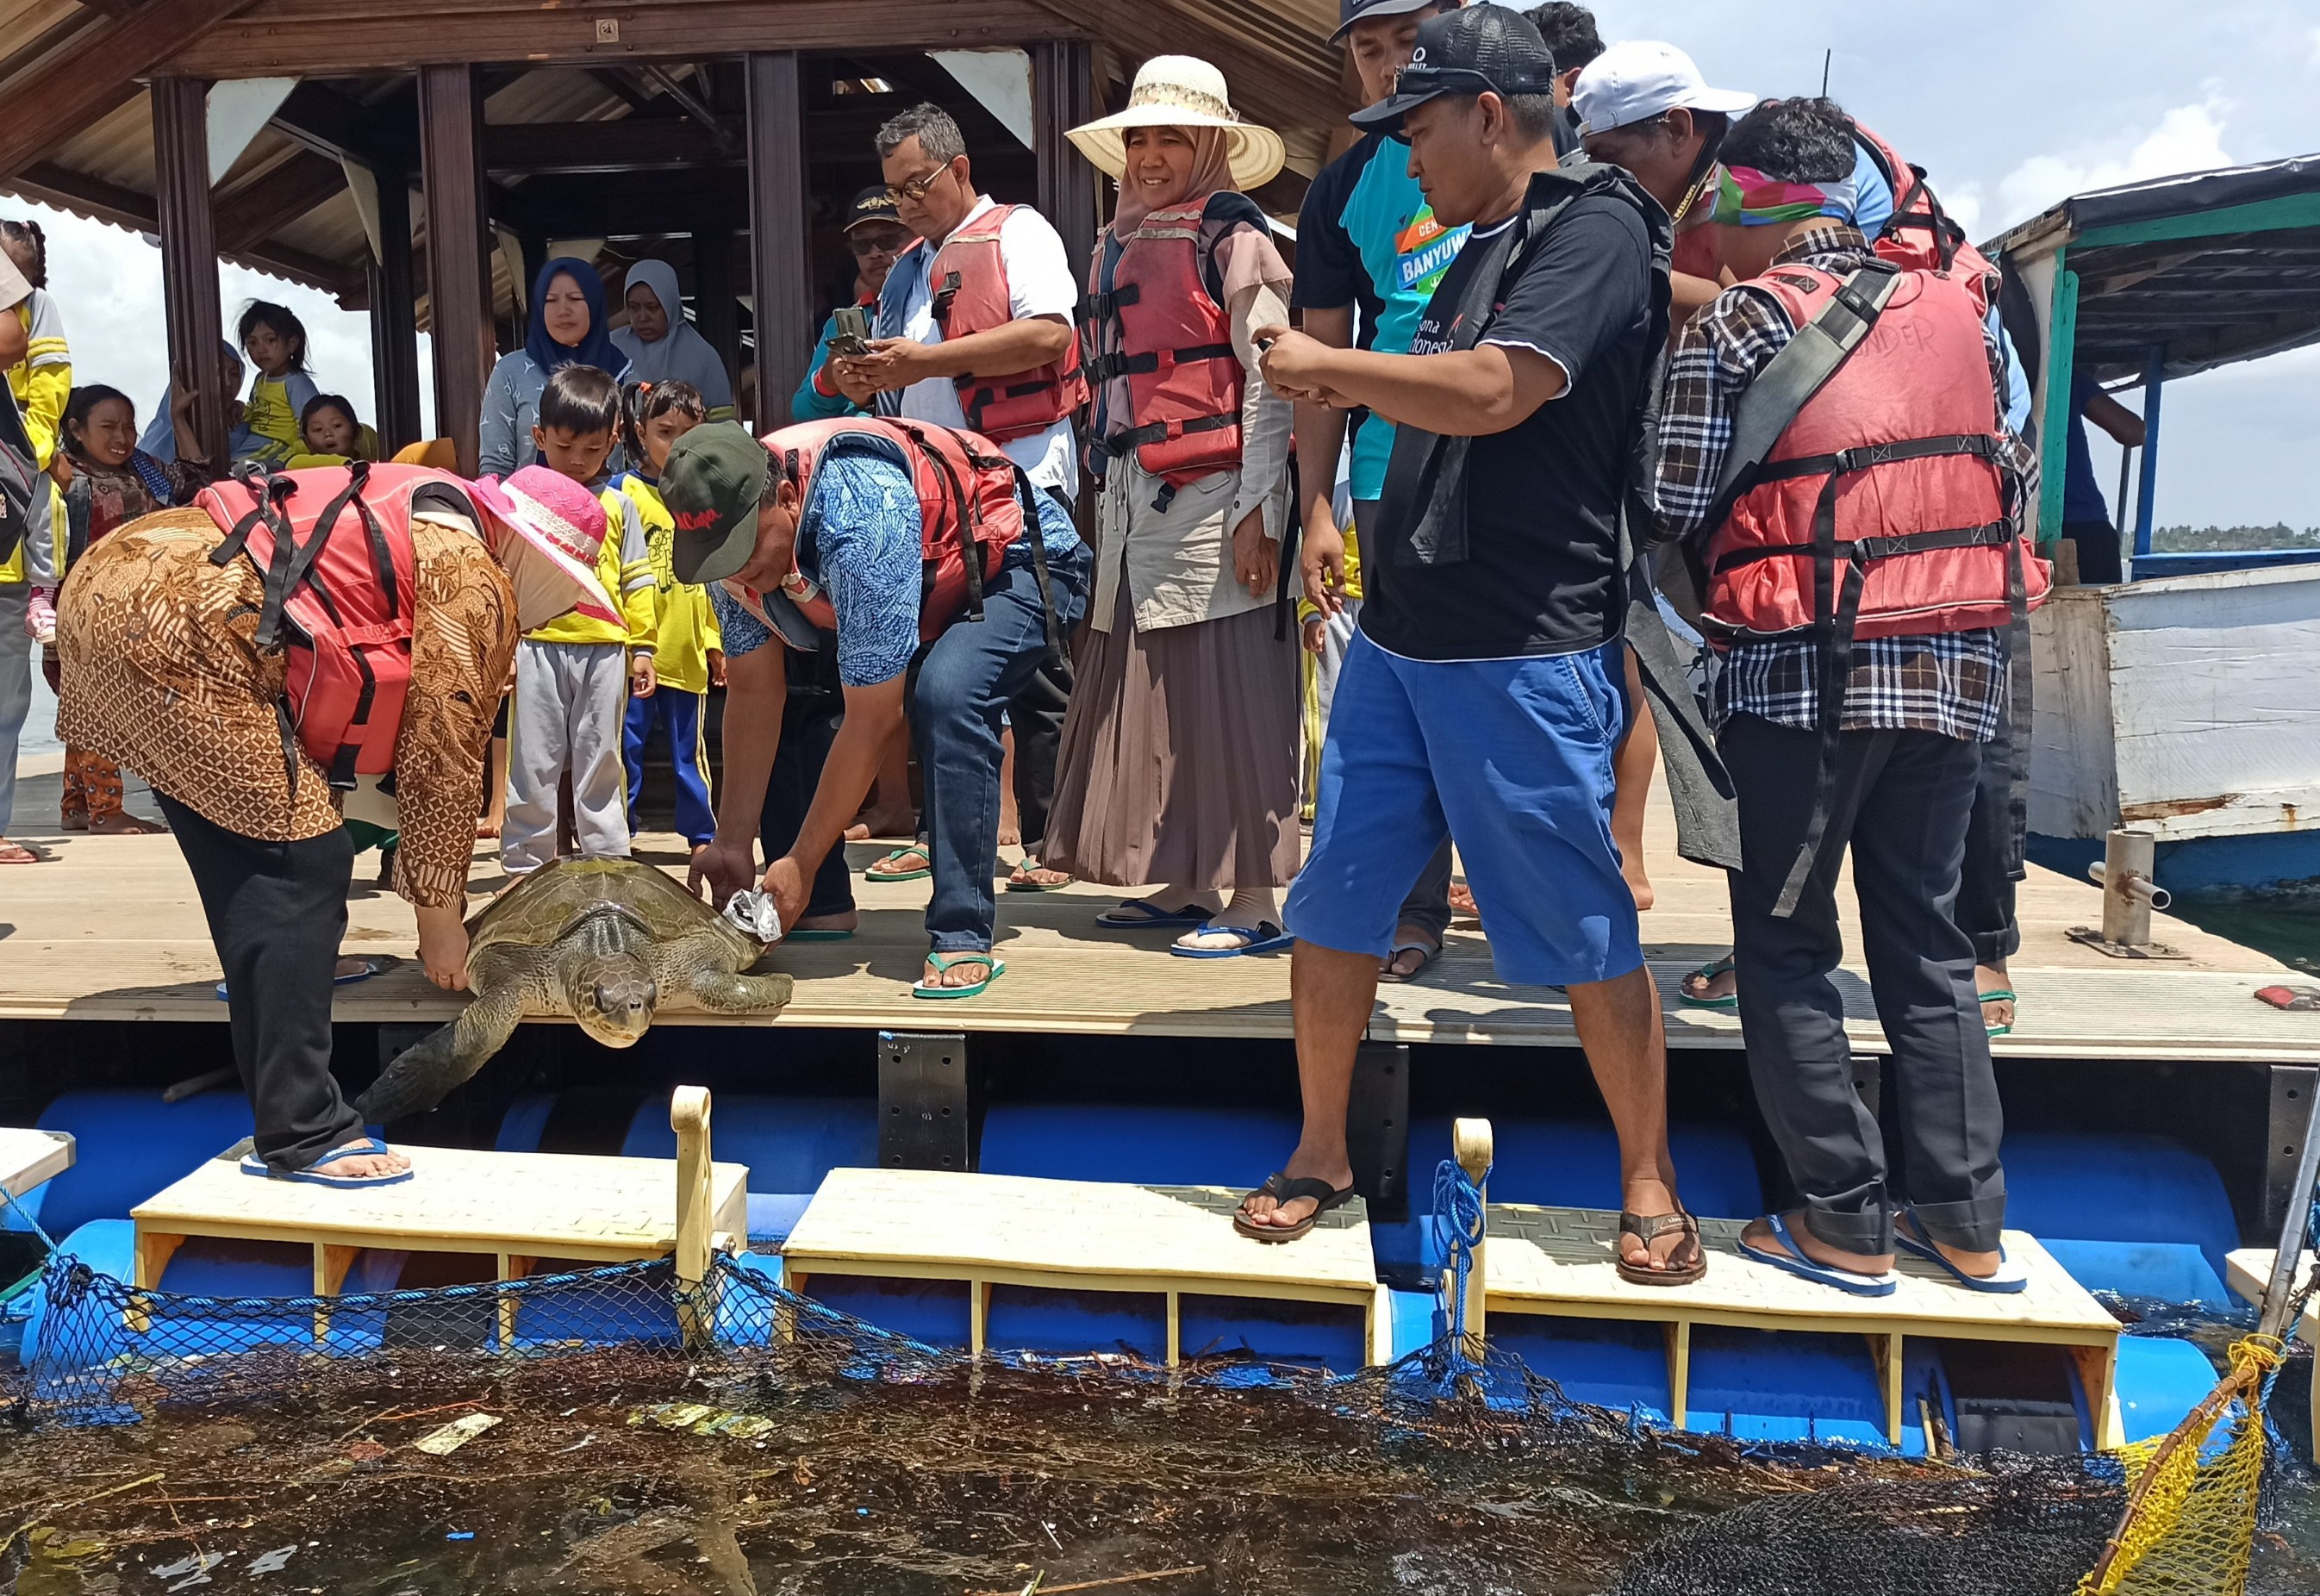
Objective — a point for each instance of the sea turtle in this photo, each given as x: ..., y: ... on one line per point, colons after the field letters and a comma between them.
x: 600, y: 940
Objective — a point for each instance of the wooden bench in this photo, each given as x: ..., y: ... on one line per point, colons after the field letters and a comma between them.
x: 517, y: 1207
x: 1561, y: 1262
x: 997, y: 1230
x: 2249, y: 1272
x: 30, y: 1158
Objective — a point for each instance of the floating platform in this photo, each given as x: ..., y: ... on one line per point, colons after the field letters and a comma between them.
x: 28, y: 1157
x: 986, y: 1230
x: 112, y: 929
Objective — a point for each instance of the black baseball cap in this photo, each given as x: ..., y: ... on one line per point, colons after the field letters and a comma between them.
x: 1350, y: 12
x: 1472, y: 51
x: 874, y: 203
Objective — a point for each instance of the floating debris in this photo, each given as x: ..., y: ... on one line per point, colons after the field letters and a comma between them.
x: 443, y: 1442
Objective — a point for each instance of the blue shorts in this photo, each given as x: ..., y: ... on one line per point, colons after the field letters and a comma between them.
x: 1512, y: 758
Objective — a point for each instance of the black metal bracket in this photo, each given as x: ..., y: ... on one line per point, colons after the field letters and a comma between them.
x: 1377, y: 1127
x: 924, y: 1118
x: 2292, y: 1086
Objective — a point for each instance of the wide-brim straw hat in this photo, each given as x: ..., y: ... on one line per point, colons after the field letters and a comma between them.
x: 1183, y: 92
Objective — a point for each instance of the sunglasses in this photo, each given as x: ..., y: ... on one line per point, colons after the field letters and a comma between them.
x: 917, y: 188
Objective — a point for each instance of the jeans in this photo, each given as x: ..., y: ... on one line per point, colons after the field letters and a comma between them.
x: 964, y: 681
x: 16, y: 650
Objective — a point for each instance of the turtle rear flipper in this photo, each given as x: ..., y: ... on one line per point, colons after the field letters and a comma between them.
x: 423, y: 1073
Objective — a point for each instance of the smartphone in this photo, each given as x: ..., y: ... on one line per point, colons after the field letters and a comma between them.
x: 850, y: 342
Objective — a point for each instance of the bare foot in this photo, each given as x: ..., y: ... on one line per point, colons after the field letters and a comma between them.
x: 16, y: 853
x: 1461, y: 901
x: 1670, y: 1252
x: 362, y: 1165
x: 1720, y: 984
x: 904, y: 861
x: 1010, y: 835
x: 1980, y: 1266
x: 1031, y: 873
x: 884, y: 822
x: 1265, y: 1211
x: 488, y: 829
x: 1407, y: 962
x: 1997, y: 1013
x: 121, y: 823
x: 965, y: 970
x: 1758, y: 1235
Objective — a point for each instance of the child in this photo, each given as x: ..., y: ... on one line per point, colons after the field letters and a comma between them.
x: 572, y: 675
x: 276, y: 342
x: 687, y: 654
x: 113, y: 482
x: 330, y: 434
x: 40, y: 382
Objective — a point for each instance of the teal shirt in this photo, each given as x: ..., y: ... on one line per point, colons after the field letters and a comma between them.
x: 1367, y: 238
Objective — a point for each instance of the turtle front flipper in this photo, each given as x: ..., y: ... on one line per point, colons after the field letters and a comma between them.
x: 721, y: 992
x: 423, y: 1073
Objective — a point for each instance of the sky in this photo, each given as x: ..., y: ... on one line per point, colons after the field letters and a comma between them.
x: 2009, y: 106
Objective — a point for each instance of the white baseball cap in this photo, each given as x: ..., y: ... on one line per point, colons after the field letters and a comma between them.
x: 1637, y: 79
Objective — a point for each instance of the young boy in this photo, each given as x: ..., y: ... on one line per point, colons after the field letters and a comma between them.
x: 572, y: 675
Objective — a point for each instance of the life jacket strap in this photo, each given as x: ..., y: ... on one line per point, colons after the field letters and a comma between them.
x: 1983, y: 446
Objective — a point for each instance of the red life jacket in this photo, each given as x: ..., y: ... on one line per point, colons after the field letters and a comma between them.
x: 970, y: 496
x: 971, y: 295
x: 1919, y: 236
x: 1887, y: 475
x: 332, y: 546
x: 1160, y: 328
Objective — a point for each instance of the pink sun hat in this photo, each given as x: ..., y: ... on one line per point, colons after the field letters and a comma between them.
x: 547, y: 531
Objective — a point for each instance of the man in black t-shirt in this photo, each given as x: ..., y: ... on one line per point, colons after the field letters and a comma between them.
x: 1482, y: 682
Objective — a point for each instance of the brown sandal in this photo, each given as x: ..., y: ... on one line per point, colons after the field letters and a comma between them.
x: 1648, y: 1230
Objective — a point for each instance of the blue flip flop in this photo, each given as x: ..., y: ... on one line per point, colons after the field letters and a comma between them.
x: 1264, y: 937
x: 2010, y: 1278
x: 1791, y: 1257
x: 252, y: 1164
x: 1141, y: 914
x: 370, y: 968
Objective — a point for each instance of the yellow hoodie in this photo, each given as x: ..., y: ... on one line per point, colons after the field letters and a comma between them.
x: 685, y: 626
x: 624, y: 568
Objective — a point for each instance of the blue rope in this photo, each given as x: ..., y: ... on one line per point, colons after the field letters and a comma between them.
x: 1458, y: 1225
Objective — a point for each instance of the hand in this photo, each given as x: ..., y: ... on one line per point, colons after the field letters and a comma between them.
x: 726, y: 867
x: 1321, y: 563
x: 443, y: 948
x: 787, y: 885
x: 1312, y: 633
x: 642, y: 678
x: 1256, y: 562
x: 52, y: 669
x: 60, y: 468
x: 716, y: 667
x: 893, y: 363
x: 1295, y: 367
x: 853, y: 381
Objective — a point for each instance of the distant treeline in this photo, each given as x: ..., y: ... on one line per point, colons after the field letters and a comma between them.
x: 2208, y: 540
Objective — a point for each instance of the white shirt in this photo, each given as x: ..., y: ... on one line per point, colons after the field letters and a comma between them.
x: 1039, y: 283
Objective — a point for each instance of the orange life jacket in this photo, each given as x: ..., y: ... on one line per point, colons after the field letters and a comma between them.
x: 1160, y: 327
x: 332, y: 545
x: 969, y: 282
x: 1882, y: 510
x: 970, y: 494
x: 1919, y: 236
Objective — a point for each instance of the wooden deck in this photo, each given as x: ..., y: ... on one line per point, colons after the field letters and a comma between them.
x: 112, y: 929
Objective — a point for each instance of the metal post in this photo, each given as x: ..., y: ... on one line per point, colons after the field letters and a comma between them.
x: 2128, y: 859
x: 190, y: 293
x: 1377, y: 1127
x: 2154, y: 373
x: 780, y: 274
x: 2293, y: 1223
x: 458, y: 282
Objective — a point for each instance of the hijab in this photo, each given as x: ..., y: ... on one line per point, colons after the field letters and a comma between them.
x: 1211, y: 170
x: 595, y: 346
x: 682, y: 355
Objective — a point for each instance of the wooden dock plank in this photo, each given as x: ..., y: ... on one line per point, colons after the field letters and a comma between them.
x: 28, y: 1157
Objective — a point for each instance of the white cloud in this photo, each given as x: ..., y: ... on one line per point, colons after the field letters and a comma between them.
x: 1964, y: 204
x: 2315, y: 46
x: 2187, y: 138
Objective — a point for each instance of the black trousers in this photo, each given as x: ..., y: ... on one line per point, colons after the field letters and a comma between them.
x: 1901, y: 802
x: 815, y: 709
x: 1993, y: 859
x: 278, y: 912
x: 2098, y: 545
x: 1036, y: 714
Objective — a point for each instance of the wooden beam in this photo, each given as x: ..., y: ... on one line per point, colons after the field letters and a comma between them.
x: 308, y: 38
x: 382, y: 135
x: 780, y: 273
x: 716, y: 314
x: 1281, y: 73
x: 395, y: 321
x: 189, y: 267
x: 84, y: 81
x: 276, y: 199
x: 459, y: 285
x: 1062, y: 95
x: 632, y: 143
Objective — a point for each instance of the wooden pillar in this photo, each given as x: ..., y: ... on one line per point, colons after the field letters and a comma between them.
x: 715, y: 315
x: 779, y: 272
x: 459, y: 284
x: 1062, y: 96
x: 394, y: 320
x: 534, y: 247
x: 189, y: 266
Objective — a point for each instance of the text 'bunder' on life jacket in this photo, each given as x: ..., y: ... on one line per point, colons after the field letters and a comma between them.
x: 971, y: 295
x: 332, y: 547
x: 1885, y: 505
x: 973, y: 501
x: 1160, y: 324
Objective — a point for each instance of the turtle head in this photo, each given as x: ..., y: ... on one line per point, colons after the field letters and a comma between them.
x: 613, y: 995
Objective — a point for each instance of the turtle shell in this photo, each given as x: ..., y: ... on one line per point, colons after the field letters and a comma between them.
x: 547, y: 903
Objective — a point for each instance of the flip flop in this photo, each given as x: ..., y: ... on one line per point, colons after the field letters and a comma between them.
x: 1706, y: 973
x: 830, y: 934
x: 1430, y: 950
x: 1648, y: 1229
x: 2000, y: 996
x: 2010, y: 1278
x: 252, y: 1164
x: 1138, y: 914
x: 1284, y: 1188
x: 920, y: 989
x: 16, y: 853
x: 1030, y: 863
x: 1791, y: 1257
x: 875, y: 873
x: 1264, y: 937
x: 370, y: 967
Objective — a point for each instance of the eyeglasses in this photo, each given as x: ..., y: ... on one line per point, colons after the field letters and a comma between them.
x: 917, y: 188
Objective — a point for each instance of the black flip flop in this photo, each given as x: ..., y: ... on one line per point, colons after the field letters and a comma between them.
x: 1285, y: 1188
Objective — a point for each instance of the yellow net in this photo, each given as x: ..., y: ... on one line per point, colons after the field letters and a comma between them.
x: 2191, y: 1519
